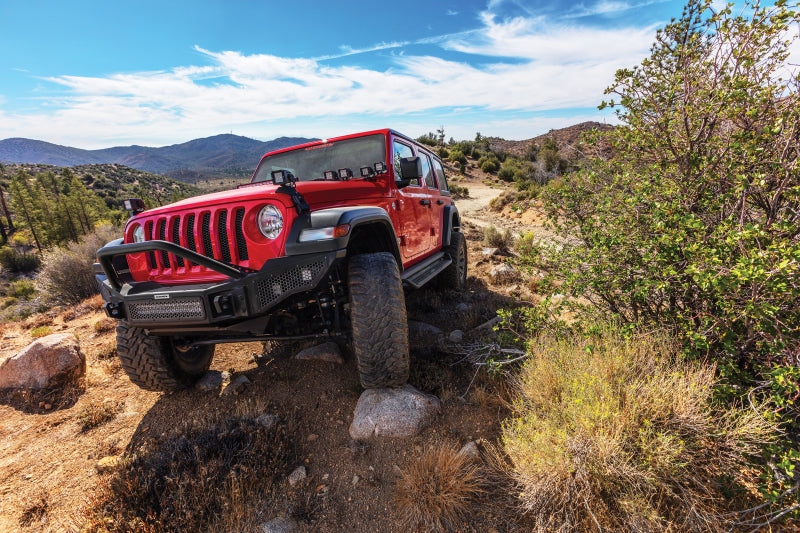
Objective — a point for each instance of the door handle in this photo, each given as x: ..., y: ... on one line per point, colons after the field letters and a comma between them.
x: 425, y: 202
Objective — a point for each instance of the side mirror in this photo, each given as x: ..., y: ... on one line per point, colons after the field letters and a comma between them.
x: 411, y: 168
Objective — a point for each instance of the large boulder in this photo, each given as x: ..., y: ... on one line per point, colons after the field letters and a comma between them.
x: 45, y: 363
x: 400, y: 412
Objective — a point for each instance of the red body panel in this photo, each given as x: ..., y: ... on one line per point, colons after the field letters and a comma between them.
x: 223, y: 224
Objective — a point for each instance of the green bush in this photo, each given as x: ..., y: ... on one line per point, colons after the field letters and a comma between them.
x: 693, y: 224
x: 494, y: 238
x: 67, y: 275
x: 457, y: 191
x: 616, y: 434
x: 489, y: 165
x: 21, y: 289
x: 18, y: 262
x: 457, y: 156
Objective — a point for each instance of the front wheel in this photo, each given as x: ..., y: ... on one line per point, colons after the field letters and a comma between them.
x: 379, y: 321
x: 157, y: 363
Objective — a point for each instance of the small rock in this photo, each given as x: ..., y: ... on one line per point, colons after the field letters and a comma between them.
x: 356, y: 479
x: 462, y: 307
x: 491, y: 251
x: 470, y: 450
x: 47, y: 406
x: 107, y: 464
x: 297, y: 475
x: 45, y: 363
x: 267, y: 420
x: 226, y: 376
x: 421, y: 329
x: 237, y: 385
x: 456, y: 336
x: 400, y: 412
x: 490, y: 323
x: 280, y: 524
x: 328, y: 352
x: 210, y: 382
x: 312, y: 437
x: 503, y: 271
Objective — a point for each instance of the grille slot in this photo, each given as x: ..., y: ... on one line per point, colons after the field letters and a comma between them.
x: 278, y: 286
x: 151, y: 256
x: 162, y: 235
x: 208, y: 251
x: 241, y: 243
x: 176, y: 238
x: 177, y: 308
x: 222, y: 230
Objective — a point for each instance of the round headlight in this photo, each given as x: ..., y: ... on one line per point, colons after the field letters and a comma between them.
x: 270, y: 221
x: 138, y: 233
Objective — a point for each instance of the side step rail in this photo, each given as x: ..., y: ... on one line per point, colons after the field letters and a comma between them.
x: 424, y: 271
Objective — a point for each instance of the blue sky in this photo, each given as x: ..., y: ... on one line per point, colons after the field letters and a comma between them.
x: 94, y: 74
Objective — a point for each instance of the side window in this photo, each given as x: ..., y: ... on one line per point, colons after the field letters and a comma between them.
x: 401, y: 150
x: 440, y: 174
x: 427, y: 171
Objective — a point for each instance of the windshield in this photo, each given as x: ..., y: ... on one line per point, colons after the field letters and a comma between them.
x: 311, y: 163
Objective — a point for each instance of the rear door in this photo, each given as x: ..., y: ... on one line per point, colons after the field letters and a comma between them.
x: 435, y: 204
x: 413, y: 207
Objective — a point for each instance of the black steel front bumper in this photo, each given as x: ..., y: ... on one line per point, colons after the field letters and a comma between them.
x: 246, y: 295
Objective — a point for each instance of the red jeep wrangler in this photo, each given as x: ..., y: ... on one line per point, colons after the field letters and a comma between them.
x: 319, y: 244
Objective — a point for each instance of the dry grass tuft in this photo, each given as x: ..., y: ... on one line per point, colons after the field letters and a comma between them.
x: 41, y: 331
x: 618, y: 435
x: 494, y: 238
x: 206, y: 479
x: 104, y: 324
x: 438, y: 489
x: 95, y: 413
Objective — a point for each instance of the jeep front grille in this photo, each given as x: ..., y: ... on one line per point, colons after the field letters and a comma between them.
x: 217, y: 233
x: 278, y: 286
x: 172, y: 309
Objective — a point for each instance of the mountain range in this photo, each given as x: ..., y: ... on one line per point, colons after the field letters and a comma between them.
x: 199, y: 156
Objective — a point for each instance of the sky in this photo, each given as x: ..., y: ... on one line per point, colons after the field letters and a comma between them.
x: 94, y: 74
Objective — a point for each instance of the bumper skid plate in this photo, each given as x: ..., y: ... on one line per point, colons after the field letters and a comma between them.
x: 245, y: 295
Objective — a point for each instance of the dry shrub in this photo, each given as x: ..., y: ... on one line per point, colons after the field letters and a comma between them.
x: 35, y: 511
x: 618, y: 435
x: 104, y: 324
x: 204, y: 479
x: 95, y: 413
x: 437, y: 490
x: 67, y: 275
x: 502, y: 240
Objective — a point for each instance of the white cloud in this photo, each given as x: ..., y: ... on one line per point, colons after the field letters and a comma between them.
x: 554, y: 67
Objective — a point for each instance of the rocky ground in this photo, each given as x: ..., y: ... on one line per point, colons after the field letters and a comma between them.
x: 52, y: 461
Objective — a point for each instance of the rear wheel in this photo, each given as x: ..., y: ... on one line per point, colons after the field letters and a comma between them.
x: 455, y: 276
x: 158, y: 363
x: 379, y: 321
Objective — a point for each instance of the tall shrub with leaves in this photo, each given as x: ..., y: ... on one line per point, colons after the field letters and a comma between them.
x: 695, y: 222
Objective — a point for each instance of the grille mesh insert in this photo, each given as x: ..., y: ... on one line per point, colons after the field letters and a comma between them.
x: 275, y: 287
x: 176, y: 238
x: 177, y: 308
x: 222, y: 231
x: 206, y: 230
x: 241, y: 243
x: 162, y: 234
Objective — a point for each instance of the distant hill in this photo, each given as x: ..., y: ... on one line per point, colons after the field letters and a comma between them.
x: 203, y: 157
x: 564, y: 137
x: 113, y: 182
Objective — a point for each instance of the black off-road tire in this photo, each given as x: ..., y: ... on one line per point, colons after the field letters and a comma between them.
x: 154, y: 363
x: 379, y: 321
x: 454, y: 277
